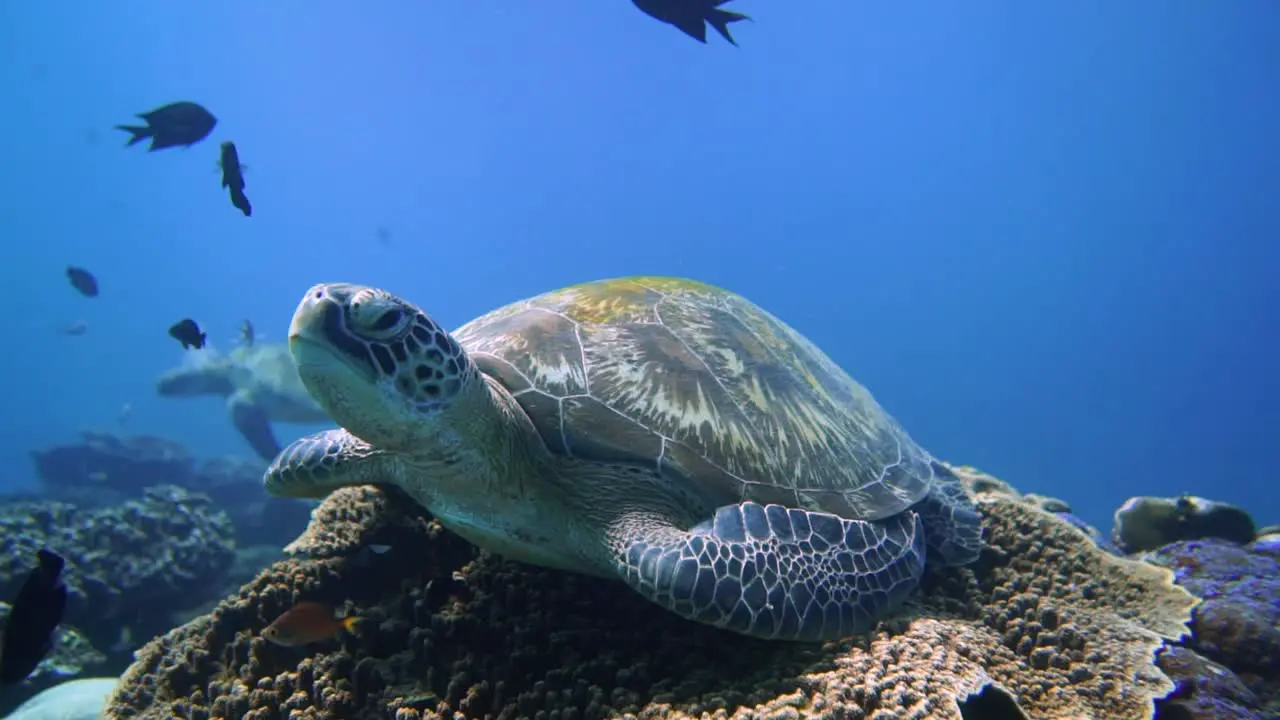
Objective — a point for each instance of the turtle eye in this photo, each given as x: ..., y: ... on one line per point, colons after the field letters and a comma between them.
x: 377, y: 316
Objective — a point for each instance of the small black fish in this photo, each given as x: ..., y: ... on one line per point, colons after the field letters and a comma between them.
x: 187, y: 332
x: 247, y: 334
x: 176, y: 124
x: 36, y: 613
x: 241, y: 202
x: 691, y: 17
x: 232, y: 170
x: 83, y: 280
x: 233, y: 177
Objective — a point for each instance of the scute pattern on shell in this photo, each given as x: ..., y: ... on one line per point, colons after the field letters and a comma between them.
x: 706, y: 386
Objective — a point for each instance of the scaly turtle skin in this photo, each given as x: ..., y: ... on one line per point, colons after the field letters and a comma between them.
x: 260, y: 383
x: 655, y: 430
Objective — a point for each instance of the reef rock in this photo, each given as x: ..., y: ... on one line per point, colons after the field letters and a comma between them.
x: 1044, y: 625
x: 131, y: 564
x: 104, y: 468
x: 73, y: 700
x: 1205, y: 690
x: 1238, y: 624
x: 1147, y: 523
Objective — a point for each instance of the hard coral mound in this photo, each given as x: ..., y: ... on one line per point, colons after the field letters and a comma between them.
x: 1046, y: 625
x: 133, y: 563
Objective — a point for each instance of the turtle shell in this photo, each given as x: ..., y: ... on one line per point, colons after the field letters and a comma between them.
x: 705, y: 387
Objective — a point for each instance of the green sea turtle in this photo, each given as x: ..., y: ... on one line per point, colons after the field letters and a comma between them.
x: 659, y: 431
x: 260, y: 383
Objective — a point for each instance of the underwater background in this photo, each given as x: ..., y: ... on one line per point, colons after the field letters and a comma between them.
x: 1043, y: 235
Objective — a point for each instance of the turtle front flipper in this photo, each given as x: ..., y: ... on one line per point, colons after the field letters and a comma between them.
x: 775, y: 572
x: 253, y: 423
x: 315, y: 465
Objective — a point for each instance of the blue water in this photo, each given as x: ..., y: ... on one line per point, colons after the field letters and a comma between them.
x: 1045, y: 235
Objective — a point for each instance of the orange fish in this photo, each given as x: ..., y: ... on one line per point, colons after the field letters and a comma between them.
x: 306, y: 623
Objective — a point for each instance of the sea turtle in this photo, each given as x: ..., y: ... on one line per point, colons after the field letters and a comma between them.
x: 660, y: 431
x: 260, y: 383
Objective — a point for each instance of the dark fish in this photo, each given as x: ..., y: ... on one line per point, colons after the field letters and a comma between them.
x: 247, y: 334
x: 233, y: 177
x: 176, y: 124
x: 241, y: 202
x: 691, y: 17
x: 36, y: 612
x: 187, y: 332
x: 83, y: 280
x: 306, y: 623
x: 232, y: 170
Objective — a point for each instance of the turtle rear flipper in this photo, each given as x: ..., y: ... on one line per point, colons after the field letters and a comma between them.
x: 253, y: 423
x: 952, y: 525
x: 776, y: 572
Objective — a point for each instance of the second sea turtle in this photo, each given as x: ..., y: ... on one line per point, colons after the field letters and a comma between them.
x: 260, y: 383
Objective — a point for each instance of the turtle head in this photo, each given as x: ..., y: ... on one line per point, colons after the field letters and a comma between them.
x: 377, y: 364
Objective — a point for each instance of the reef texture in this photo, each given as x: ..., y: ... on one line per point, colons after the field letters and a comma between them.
x: 1045, y: 626
x: 104, y: 469
x: 126, y: 565
x: 979, y: 483
x: 1230, y: 665
x: 1237, y: 626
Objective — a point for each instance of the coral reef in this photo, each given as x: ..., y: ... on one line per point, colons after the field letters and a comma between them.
x: 1238, y: 623
x: 1205, y: 690
x: 1147, y: 523
x: 130, y: 564
x: 978, y: 482
x: 1045, y: 625
x: 248, y: 563
x: 105, y: 469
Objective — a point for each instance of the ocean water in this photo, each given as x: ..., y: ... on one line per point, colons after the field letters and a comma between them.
x: 1045, y: 235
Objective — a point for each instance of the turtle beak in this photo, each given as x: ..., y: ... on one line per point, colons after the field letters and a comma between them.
x: 318, y: 332
x: 339, y: 372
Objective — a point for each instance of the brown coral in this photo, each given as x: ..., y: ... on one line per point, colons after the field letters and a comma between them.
x: 1044, y: 625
